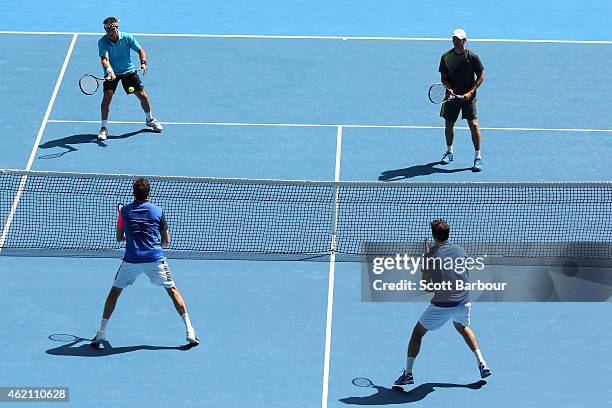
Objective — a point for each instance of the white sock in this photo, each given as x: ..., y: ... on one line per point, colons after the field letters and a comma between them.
x: 105, y: 123
x: 187, y: 322
x: 478, y: 355
x: 450, y: 148
x: 477, y: 155
x: 149, y: 115
x: 103, y: 325
x: 409, y: 364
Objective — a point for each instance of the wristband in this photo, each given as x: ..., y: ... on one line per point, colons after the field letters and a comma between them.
x: 143, y: 62
x: 109, y: 70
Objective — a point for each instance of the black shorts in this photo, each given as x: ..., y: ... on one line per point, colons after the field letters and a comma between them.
x: 450, y: 110
x: 127, y: 80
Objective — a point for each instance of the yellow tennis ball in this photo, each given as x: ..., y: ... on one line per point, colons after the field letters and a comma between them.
x: 131, y: 89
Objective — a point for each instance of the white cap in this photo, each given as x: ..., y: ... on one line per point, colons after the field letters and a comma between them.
x: 460, y: 34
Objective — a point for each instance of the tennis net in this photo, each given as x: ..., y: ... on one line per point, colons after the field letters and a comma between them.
x: 74, y: 215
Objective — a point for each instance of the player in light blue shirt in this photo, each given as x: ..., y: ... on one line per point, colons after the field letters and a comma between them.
x: 144, y: 228
x: 114, y: 51
x: 447, y: 304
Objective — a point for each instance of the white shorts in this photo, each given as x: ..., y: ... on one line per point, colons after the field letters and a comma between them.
x: 434, y: 317
x: 158, y: 272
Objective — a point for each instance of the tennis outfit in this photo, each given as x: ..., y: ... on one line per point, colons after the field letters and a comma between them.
x: 118, y: 54
x: 142, y: 223
x: 460, y: 70
x: 447, y: 304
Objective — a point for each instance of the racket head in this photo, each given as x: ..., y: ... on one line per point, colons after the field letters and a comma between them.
x: 89, y: 84
x: 437, y: 93
x: 362, y: 382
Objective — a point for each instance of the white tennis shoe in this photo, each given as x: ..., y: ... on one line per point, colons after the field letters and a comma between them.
x: 447, y: 158
x: 155, y: 124
x: 192, y: 337
x: 103, y: 134
x: 100, y: 337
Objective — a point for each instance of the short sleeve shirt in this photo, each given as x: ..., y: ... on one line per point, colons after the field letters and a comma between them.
x: 142, y: 224
x: 460, y: 69
x: 447, y: 271
x: 119, y: 52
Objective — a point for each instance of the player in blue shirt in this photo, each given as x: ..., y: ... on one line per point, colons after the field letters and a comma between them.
x: 144, y: 228
x: 114, y: 50
x: 446, y: 304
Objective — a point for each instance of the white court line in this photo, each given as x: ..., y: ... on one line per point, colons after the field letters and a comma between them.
x: 315, y: 37
x: 332, y: 270
x: 338, y: 155
x: 509, y: 129
x: 41, y: 130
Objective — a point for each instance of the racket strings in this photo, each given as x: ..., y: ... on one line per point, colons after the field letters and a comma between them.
x: 88, y: 84
x: 437, y: 93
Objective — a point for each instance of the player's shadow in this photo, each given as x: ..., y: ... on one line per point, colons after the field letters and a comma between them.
x: 396, y: 395
x: 418, y: 170
x: 105, y: 349
x: 68, y: 142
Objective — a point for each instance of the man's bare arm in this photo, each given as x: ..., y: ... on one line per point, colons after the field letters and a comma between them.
x: 479, y: 81
x: 120, y: 234
x: 143, y: 57
x: 108, y: 70
x: 165, y: 237
x: 446, y: 82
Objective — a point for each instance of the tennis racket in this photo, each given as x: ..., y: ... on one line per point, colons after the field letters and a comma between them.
x: 439, y: 93
x: 362, y: 382
x: 89, y: 84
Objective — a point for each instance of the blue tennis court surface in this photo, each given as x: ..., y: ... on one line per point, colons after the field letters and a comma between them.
x: 300, y: 109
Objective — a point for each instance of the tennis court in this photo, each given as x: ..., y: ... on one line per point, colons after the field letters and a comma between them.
x: 302, y: 93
